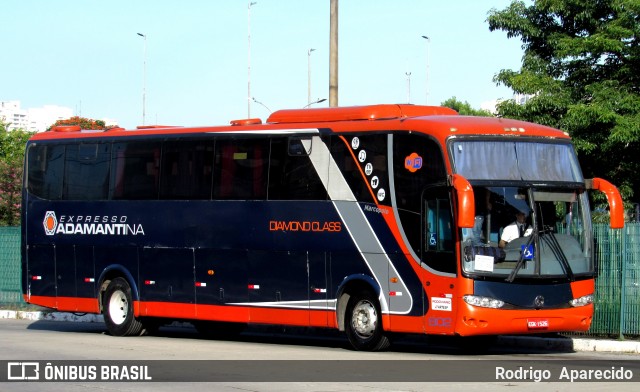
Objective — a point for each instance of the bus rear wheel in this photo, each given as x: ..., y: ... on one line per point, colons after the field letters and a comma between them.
x: 363, y: 323
x: 117, y: 308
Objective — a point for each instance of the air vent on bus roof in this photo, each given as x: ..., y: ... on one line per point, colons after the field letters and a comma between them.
x: 142, y: 127
x: 66, y: 128
x: 354, y: 113
x: 246, y: 121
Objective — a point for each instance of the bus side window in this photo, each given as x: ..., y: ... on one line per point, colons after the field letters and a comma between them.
x: 86, y: 173
x: 45, y: 169
x: 292, y: 175
x: 135, y: 170
x: 240, y: 170
x: 186, y: 170
x: 439, y: 226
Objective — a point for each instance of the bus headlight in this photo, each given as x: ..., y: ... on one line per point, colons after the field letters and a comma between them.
x: 484, y: 302
x: 582, y: 301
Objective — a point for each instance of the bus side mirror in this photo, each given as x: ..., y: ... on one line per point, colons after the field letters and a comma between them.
x: 466, y: 201
x: 616, y: 208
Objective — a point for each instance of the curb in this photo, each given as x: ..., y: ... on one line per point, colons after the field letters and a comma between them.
x: 51, y: 316
x: 550, y: 344
x: 572, y: 344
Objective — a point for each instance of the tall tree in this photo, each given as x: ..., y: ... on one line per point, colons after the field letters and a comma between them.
x: 581, y: 65
x: 12, y: 145
x: 464, y: 108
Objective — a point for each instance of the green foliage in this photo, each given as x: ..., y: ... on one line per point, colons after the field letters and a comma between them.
x: 84, y: 123
x: 580, y: 65
x: 12, y: 144
x: 464, y: 108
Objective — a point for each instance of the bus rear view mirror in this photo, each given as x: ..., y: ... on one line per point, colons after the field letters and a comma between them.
x: 616, y: 208
x: 466, y: 201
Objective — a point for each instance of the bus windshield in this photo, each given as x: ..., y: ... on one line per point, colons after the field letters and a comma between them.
x: 555, y: 239
x: 515, y: 161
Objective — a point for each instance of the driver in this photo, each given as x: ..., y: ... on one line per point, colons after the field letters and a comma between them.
x: 516, y: 229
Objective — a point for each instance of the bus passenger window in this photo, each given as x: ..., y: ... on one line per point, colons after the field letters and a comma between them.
x: 45, y: 167
x: 135, y: 171
x: 86, y: 174
x: 186, y: 170
x: 292, y: 175
x: 240, y: 169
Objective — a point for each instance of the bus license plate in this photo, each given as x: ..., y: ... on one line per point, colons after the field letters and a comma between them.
x: 538, y: 323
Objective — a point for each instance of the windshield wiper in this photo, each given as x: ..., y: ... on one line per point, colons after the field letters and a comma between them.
x: 521, y: 260
x: 557, y: 251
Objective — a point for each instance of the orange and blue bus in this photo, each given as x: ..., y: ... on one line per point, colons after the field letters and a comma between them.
x: 369, y: 220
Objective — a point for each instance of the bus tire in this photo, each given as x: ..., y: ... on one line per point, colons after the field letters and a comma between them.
x: 363, y: 323
x: 117, y: 309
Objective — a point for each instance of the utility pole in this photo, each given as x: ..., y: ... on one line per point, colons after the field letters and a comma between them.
x: 309, y: 76
x: 249, y: 57
x: 144, y: 78
x: 333, y: 55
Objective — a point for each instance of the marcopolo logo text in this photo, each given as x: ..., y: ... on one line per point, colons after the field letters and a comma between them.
x: 90, y: 225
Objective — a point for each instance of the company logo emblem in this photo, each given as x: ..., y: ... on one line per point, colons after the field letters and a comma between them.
x: 413, y: 162
x: 89, y: 225
x: 50, y: 222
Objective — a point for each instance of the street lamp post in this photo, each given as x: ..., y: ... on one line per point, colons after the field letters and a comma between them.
x: 408, y: 86
x: 426, y: 101
x: 260, y: 103
x: 309, y: 75
x: 249, y: 57
x: 319, y: 100
x: 144, y: 77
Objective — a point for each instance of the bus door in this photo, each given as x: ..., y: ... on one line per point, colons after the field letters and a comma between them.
x: 439, y: 259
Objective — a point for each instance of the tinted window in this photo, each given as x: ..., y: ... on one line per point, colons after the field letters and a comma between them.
x: 292, y: 175
x: 240, y: 170
x: 363, y: 161
x: 135, y: 170
x: 187, y: 170
x: 417, y: 163
x: 45, y: 165
x: 86, y: 173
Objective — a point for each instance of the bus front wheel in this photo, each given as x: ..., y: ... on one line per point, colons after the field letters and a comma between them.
x: 363, y: 323
x: 117, y: 308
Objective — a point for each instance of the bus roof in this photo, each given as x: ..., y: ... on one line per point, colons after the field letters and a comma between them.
x: 440, y: 122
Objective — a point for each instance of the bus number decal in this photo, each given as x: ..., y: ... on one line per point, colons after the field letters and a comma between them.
x: 442, y: 322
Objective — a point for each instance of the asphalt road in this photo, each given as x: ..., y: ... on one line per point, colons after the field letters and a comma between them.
x: 271, y: 359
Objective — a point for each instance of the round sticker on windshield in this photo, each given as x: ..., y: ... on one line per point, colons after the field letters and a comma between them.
x: 355, y: 143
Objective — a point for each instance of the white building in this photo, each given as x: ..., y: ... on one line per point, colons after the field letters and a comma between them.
x: 11, y: 113
x: 33, y: 119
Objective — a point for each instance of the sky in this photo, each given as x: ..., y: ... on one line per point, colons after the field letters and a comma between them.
x: 87, y: 55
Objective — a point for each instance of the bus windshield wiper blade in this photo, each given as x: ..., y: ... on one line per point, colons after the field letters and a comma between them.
x: 521, y: 260
x: 557, y: 251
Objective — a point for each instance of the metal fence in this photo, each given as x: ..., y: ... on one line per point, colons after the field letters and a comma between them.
x: 617, y: 302
x: 617, y: 309
x: 10, y: 290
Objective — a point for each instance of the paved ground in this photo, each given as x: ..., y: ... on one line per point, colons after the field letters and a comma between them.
x: 542, y: 342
